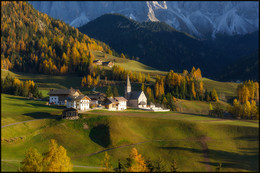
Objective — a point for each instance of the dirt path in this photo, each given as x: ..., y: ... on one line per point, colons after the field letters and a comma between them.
x: 26, y: 121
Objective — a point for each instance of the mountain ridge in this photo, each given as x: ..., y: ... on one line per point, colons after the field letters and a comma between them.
x: 200, y: 19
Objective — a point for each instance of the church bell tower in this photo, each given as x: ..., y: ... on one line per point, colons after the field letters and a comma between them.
x: 127, y: 88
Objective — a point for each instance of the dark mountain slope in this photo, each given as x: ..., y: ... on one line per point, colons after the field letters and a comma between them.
x: 247, y: 68
x: 161, y: 46
x: 156, y: 43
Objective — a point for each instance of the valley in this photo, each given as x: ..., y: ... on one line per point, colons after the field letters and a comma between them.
x: 122, y: 94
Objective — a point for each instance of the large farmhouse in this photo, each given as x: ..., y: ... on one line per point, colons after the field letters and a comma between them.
x: 59, y: 96
x: 135, y: 99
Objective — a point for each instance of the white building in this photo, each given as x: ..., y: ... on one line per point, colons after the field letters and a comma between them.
x: 135, y: 99
x: 81, y: 102
x: 122, y: 103
x: 59, y: 96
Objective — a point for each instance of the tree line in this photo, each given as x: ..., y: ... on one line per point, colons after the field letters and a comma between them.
x: 17, y: 87
x: 245, y: 106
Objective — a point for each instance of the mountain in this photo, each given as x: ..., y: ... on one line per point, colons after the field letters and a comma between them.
x: 33, y: 42
x: 162, y: 47
x: 246, y: 68
x: 202, y: 19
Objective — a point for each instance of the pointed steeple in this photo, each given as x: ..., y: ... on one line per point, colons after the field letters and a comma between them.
x: 127, y: 88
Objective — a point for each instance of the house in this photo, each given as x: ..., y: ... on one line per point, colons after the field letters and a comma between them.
x: 59, y: 96
x: 80, y: 102
x: 135, y: 99
x: 70, y: 113
x: 122, y: 103
x: 97, y: 62
x: 111, y: 103
x: 97, y: 98
x: 108, y: 63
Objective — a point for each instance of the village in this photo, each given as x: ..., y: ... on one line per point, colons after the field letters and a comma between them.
x: 76, y: 102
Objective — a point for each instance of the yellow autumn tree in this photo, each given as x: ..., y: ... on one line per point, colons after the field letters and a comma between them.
x: 247, y: 109
x: 201, y: 88
x: 136, y: 162
x: 106, y: 165
x: 83, y: 81
x: 214, y: 95
x: 32, y: 161
x: 193, y: 89
x: 56, y: 159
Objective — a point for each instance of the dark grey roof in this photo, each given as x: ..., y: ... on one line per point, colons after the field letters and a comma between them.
x: 135, y: 94
x: 70, y: 109
x: 112, y: 100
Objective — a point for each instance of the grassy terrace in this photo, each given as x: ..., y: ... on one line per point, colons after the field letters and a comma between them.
x: 235, y: 143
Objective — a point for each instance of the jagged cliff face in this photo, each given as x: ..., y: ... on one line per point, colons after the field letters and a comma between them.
x: 201, y: 19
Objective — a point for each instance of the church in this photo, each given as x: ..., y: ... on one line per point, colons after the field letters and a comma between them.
x: 136, y: 99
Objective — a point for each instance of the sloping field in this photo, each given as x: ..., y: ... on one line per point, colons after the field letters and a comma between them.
x: 197, y: 143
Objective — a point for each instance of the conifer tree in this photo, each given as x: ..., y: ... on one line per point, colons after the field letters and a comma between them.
x: 135, y: 162
x: 214, y: 95
x: 56, y: 159
x: 115, y: 91
x: 106, y: 165
x: 109, y: 92
x: 32, y: 161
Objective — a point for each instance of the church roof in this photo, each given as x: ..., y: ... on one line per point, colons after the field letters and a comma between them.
x: 135, y: 94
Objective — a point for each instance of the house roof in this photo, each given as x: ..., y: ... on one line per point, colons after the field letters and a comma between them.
x: 63, y: 91
x: 97, y: 60
x: 70, y: 109
x: 135, y: 94
x: 107, y: 62
x: 112, y: 100
x: 120, y: 99
x: 72, y: 98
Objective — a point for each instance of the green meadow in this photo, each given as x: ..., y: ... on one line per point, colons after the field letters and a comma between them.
x: 168, y: 136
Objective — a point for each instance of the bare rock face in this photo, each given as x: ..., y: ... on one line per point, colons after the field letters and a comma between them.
x: 201, y: 19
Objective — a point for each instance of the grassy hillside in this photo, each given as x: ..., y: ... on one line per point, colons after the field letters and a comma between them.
x: 229, y: 142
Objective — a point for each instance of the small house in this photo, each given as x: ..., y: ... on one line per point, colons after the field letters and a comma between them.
x: 97, y: 62
x: 121, y: 103
x: 79, y: 102
x: 108, y: 63
x: 111, y: 103
x: 70, y: 113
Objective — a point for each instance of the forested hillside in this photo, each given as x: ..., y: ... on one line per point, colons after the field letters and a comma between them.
x: 32, y: 41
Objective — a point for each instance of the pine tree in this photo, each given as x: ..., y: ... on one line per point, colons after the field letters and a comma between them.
x: 122, y: 56
x: 32, y: 161
x: 193, y: 90
x: 109, y: 92
x: 135, y: 162
x: 56, y: 159
x: 142, y: 87
x: 214, y: 95
x: 83, y: 81
x: 115, y: 91
x: 106, y: 165
x: 174, y: 167
x: 148, y: 77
